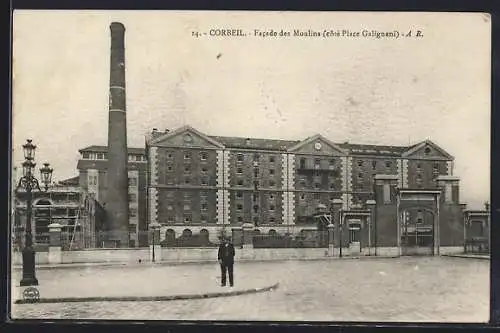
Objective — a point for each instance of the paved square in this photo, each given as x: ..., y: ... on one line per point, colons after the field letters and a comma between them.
x: 423, y: 289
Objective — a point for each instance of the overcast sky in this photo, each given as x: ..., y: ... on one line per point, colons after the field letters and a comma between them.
x: 361, y: 90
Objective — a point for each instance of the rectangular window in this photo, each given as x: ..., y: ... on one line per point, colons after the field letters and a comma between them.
x: 239, y: 194
x: 204, y: 181
x: 86, y: 155
x: 187, y: 181
x: 187, y: 169
x: 100, y: 156
x: 317, y: 196
x: 239, y: 171
x: 138, y: 158
x: 360, y: 163
x: 388, y: 164
x: 271, y: 207
x: 203, y: 219
x: 271, y: 172
x: 256, y: 172
x: 302, y: 163
x: 187, y: 155
x: 203, y: 156
x: 170, y: 168
x: 255, y: 197
x: 187, y: 218
x: 132, y: 197
x: 272, y: 159
x: 204, y: 206
x: 132, y: 181
x: 239, y: 207
x: 187, y: 196
x: 387, y: 193
x: 132, y: 212
x: 240, y: 182
x: 240, y: 158
x: 272, y: 183
x: 317, y: 163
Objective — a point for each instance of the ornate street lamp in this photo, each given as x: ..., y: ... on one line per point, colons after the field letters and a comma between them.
x: 30, y: 183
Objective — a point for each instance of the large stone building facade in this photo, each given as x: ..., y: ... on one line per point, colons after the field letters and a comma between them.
x: 201, y: 183
x: 93, y: 169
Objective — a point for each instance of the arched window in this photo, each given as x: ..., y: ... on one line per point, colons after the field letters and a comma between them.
x: 204, y: 233
x: 170, y: 234
x: 187, y: 233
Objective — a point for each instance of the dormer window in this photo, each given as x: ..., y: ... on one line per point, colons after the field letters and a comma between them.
x: 427, y: 151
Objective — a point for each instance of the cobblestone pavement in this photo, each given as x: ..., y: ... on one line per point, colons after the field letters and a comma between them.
x: 146, y: 280
x: 424, y: 289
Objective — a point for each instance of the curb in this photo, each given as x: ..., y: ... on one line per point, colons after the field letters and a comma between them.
x: 149, y: 298
x: 171, y: 263
x: 466, y: 257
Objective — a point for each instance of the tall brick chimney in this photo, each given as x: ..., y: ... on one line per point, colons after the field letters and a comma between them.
x: 117, y: 174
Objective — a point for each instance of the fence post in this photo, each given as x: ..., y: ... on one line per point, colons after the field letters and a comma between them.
x: 331, y: 245
x: 247, y: 235
x: 154, y: 244
x: 371, y: 204
x: 55, y: 254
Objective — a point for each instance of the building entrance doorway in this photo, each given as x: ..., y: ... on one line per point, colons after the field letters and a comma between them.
x: 418, y: 222
x: 417, y: 234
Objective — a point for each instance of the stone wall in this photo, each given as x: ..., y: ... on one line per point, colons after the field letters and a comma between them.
x: 178, y: 255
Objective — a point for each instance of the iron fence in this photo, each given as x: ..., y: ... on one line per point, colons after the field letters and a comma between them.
x: 316, y: 239
x: 479, y: 245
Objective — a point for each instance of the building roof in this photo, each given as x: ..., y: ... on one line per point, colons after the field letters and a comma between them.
x: 104, y: 149
x: 360, y: 149
x: 252, y: 143
x: 70, y: 181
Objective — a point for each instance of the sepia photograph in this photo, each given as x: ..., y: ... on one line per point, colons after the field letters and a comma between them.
x: 250, y: 166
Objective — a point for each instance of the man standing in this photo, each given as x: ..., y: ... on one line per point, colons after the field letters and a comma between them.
x: 226, y: 261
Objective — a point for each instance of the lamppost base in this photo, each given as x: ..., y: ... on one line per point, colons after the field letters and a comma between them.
x: 29, y: 281
x: 29, y: 276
